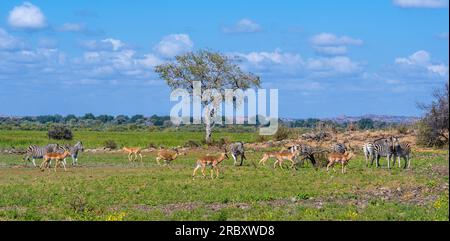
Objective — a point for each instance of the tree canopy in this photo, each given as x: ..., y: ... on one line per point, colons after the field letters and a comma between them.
x: 214, y: 71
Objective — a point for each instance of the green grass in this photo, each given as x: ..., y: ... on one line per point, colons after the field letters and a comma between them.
x: 107, y: 187
x: 95, y: 139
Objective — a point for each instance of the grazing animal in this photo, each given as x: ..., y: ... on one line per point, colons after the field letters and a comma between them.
x: 285, y: 155
x: 338, y: 148
x: 335, y: 157
x: 74, y: 152
x: 280, y: 156
x: 168, y: 156
x: 402, y: 150
x: 383, y: 147
x: 212, y: 161
x: 37, y: 152
x: 237, y: 150
x: 368, y: 151
x: 58, y: 157
x: 266, y: 157
x: 306, y: 151
x: 133, y: 151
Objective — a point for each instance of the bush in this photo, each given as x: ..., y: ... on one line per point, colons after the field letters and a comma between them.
x: 365, y: 124
x: 352, y: 127
x: 191, y: 143
x: 427, y: 137
x: 282, y: 133
x: 110, y: 144
x: 402, y: 130
x: 260, y: 138
x: 60, y: 132
x: 222, y: 142
x: 433, y: 129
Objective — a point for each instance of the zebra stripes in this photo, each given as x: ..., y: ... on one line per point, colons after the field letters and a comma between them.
x: 383, y: 147
x: 368, y: 151
x: 306, y: 151
x: 37, y: 152
x: 74, y: 150
x: 402, y: 150
x: 237, y: 149
x: 338, y: 148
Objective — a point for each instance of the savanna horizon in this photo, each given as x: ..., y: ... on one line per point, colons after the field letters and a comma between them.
x: 341, y: 111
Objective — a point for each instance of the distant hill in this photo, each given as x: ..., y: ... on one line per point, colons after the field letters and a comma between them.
x: 380, y: 118
x: 383, y: 118
x: 339, y: 119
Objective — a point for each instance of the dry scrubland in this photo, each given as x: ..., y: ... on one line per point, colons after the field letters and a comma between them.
x: 106, y: 187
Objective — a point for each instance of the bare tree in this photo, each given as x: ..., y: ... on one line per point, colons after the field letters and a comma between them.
x: 434, y: 127
x: 213, y: 71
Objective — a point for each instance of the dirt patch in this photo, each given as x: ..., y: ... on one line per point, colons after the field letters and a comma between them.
x: 440, y: 170
x: 410, y: 195
x: 189, y: 206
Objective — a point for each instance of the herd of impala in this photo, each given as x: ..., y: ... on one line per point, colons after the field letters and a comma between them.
x: 337, y: 154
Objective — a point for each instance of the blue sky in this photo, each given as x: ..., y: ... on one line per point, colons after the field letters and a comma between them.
x: 327, y: 58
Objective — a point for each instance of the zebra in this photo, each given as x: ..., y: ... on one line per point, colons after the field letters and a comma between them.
x: 368, y: 151
x: 378, y: 148
x: 37, y: 152
x: 338, y: 148
x: 402, y: 150
x: 306, y: 151
x: 237, y: 150
x: 73, y: 150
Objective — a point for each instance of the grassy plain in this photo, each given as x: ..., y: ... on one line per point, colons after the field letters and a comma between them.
x: 96, y: 139
x: 107, y: 187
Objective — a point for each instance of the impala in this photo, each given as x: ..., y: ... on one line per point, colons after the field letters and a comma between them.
x: 58, y: 157
x: 212, y: 161
x: 133, y: 151
x: 334, y: 158
x: 168, y: 156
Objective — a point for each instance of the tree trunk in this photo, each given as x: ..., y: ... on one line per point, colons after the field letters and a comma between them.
x: 208, y: 133
x: 209, y: 123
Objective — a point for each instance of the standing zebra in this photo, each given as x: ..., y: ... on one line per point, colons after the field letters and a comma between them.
x: 237, y: 150
x: 368, y: 152
x: 378, y: 148
x: 402, y: 150
x: 338, y: 148
x: 37, y: 152
x: 306, y: 151
x: 73, y: 150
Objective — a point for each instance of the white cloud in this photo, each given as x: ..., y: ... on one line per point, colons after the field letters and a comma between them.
x: 27, y: 16
x: 420, y: 57
x: 339, y: 64
x: 276, y: 57
x: 422, y: 60
x: 243, y: 26
x: 116, y: 44
x: 328, y: 44
x: 421, y: 3
x: 328, y: 39
x: 440, y: 69
x: 282, y: 64
x: 149, y: 60
x: 8, y: 42
x: 174, y: 44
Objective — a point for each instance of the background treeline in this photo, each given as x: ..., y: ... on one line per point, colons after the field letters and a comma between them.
x: 87, y: 122
x: 362, y: 124
x: 140, y: 122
